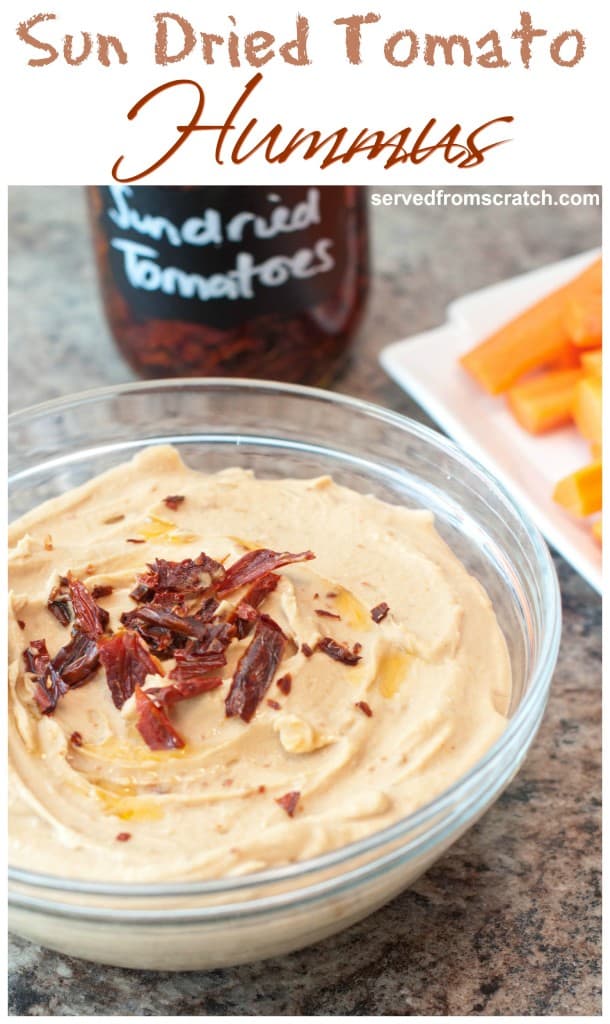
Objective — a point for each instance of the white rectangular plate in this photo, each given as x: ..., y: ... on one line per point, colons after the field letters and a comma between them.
x: 426, y: 365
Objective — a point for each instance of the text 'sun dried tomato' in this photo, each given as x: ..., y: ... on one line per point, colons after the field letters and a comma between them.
x: 232, y: 281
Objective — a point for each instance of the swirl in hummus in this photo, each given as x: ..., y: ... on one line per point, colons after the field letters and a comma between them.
x: 334, y: 752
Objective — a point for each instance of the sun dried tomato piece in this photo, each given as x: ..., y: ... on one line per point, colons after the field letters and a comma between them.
x: 76, y: 739
x: 78, y: 660
x: 153, y: 724
x: 274, y: 705
x: 173, y: 501
x: 307, y: 650
x: 289, y: 802
x: 245, y: 614
x: 285, y: 684
x: 339, y: 652
x: 254, y: 564
x: 255, y: 669
x: 60, y: 605
x: 21, y: 623
x: 183, y: 690
x: 90, y: 618
x: 379, y: 612
x: 366, y: 708
x: 127, y: 663
x: 191, y: 668
x: 123, y: 837
x: 189, y: 576
x: 101, y: 590
x: 50, y: 685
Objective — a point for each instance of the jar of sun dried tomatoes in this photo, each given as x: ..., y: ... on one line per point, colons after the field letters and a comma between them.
x: 232, y: 281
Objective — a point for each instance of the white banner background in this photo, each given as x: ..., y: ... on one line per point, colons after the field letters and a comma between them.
x: 68, y: 124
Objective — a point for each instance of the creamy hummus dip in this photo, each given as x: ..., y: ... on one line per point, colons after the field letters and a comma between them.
x: 392, y: 680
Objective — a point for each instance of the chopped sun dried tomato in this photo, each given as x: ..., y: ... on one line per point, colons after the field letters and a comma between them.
x: 59, y: 605
x: 78, y: 660
x: 255, y: 669
x: 50, y: 685
x: 173, y: 501
x: 289, y: 802
x: 193, y: 666
x: 102, y: 590
x: 183, y: 690
x: 245, y: 613
x: 189, y: 576
x: 127, y: 663
x: 339, y: 652
x: 76, y: 739
x: 90, y: 618
x: 254, y: 564
x: 379, y: 612
x: 153, y: 724
x: 123, y: 837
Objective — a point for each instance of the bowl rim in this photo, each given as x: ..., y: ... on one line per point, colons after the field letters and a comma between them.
x: 530, y: 707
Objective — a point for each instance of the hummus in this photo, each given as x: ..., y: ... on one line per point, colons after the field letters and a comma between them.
x: 348, y: 750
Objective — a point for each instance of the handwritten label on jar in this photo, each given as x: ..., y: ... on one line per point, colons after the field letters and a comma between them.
x: 222, y: 255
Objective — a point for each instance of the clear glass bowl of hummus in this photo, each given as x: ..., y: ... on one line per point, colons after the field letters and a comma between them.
x: 281, y: 431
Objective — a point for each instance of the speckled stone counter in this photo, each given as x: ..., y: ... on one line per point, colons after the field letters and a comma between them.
x: 509, y: 921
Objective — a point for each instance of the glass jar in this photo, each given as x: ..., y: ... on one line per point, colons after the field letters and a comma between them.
x: 232, y: 281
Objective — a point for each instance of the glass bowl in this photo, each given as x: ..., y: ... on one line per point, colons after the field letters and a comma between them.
x: 282, y: 430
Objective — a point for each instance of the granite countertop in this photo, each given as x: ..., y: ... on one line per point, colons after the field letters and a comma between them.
x: 508, y: 922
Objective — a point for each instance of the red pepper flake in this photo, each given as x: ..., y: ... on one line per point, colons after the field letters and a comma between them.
x: 76, y: 739
x: 153, y: 724
x: 90, y: 618
x: 173, y: 501
x: 289, y: 801
x: 362, y: 704
x: 127, y: 662
x: 255, y: 669
x: 274, y: 704
x: 323, y: 613
x: 102, y: 590
x: 135, y: 540
x: 123, y: 837
x: 379, y: 612
x: 21, y: 623
x: 285, y: 684
x: 307, y: 650
x: 339, y: 652
x: 254, y: 564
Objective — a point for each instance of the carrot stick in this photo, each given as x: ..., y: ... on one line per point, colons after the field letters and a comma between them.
x: 591, y: 361
x: 588, y: 408
x: 581, y: 492
x: 535, y: 338
x: 544, y: 402
x: 583, y: 312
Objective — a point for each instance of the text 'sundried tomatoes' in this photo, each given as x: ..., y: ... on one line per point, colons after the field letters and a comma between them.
x: 230, y: 280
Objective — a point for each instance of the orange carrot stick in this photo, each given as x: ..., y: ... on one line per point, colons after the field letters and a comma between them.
x: 535, y: 338
x: 583, y: 311
x: 591, y: 361
x: 544, y: 402
x: 581, y: 492
x: 588, y: 408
